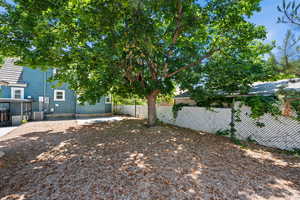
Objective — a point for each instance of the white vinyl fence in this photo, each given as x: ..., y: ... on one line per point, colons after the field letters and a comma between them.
x: 281, y: 132
x: 195, y: 118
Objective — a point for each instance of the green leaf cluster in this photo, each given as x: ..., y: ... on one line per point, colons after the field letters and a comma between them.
x: 176, y: 108
x: 261, y: 105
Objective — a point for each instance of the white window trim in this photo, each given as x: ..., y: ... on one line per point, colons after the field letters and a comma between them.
x: 108, y: 102
x: 64, y: 95
x: 54, y: 71
x: 13, y: 89
x: 17, y: 85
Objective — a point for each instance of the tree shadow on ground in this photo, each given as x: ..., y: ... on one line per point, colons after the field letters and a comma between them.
x: 126, y: 160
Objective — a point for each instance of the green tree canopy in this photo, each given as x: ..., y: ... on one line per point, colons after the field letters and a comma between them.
x: 134, y: 47
x: 228, y: 75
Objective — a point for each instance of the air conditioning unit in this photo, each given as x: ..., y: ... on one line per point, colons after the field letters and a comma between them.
x: 38, y: 116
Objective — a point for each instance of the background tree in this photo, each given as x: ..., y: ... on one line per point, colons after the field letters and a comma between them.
x: 287, y: 63
x: 231, y: 75
x: 136, y: 100
x: 129, y: 47
x: 290, y: 12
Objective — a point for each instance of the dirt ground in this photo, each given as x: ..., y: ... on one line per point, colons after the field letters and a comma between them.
x: 126, y: 160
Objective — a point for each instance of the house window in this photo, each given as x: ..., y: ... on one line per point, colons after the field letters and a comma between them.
x: 17, y: 93
x: 59, y: 95
x: 108, y: 100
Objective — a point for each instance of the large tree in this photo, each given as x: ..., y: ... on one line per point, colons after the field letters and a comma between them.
x: 139, y: 47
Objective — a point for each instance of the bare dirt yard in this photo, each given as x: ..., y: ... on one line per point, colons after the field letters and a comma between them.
x: 126, y: 160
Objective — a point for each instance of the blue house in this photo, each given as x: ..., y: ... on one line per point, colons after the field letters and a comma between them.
x: 27, y: 90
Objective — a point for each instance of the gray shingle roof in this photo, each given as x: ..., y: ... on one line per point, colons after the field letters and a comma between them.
x: 273, y: 87
x: 11, y: 73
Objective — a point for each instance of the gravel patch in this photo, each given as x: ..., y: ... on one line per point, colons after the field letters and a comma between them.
x: 126, y: 160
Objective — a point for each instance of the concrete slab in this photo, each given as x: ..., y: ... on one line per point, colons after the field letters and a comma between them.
x: 85, y: 121
x: 6, y: 130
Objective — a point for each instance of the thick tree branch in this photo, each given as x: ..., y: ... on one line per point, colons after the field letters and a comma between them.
x: 178, y: 24
x: 285, y: 51
x: 153, y: 70
x: 209, y: 54
x: 140, y: 77
x: 127, y: 71
x: 175, y: 34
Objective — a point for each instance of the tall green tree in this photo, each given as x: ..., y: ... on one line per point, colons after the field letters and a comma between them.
x: 128, y: 47
x: 287, y: 63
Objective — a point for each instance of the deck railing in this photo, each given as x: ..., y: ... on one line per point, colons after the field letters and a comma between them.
x: 5, y: 117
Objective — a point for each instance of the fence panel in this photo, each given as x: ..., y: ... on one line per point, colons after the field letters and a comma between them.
x: 201, y: 119
x: 280, y: 132
x: 195, y: 118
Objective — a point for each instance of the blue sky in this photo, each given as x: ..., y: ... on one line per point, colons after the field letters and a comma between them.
x: 268, y: 17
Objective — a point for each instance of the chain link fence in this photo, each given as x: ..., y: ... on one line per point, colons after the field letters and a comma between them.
x: 280, y: 132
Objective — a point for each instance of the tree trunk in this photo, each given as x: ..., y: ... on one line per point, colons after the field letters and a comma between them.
x: 151, y: 98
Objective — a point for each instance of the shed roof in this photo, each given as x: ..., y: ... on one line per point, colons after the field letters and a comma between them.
x: 9, y: 100
x: 273, y: 87
x: 11, y: 73
x: 266, y: 88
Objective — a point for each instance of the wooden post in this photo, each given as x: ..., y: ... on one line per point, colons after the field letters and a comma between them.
x: 9, y: 112
x: 21, y: 111
x: 135, y: 108
x: 232, y: 123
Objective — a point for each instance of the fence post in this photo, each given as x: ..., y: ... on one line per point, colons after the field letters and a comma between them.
x: 232, y: 124
x: 135, y: 108
x: 21, y: 111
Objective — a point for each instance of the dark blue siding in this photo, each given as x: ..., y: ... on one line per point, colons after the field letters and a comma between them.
x: 38, y: 87
x: 100, y: 107
x: 5, y: 92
